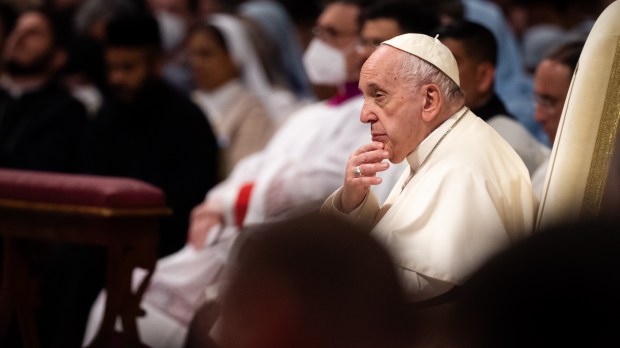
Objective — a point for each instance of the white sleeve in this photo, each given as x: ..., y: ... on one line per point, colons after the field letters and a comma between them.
x: 302, y: 182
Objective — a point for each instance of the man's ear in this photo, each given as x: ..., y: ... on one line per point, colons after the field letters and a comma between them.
x: 432, y: 102
x: 485, y: 74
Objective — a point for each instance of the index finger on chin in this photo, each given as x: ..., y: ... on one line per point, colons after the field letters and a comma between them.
x: 375, y: 145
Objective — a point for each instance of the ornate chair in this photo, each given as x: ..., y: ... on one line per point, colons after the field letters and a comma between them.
x: 578, y: 174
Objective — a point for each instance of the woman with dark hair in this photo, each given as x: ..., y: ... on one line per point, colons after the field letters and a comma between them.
x: 222, y: 62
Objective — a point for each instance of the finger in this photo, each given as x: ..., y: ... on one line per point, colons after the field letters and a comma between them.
x: 199, y: 210
x: 197, y: 239
x: 362, y: 181
x: 370, y: 169
x: 374, y: 156
x: 375, y: 145
x: 197, y: 232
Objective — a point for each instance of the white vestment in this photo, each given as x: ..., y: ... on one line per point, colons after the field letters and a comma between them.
x: 470, y: 197
x: 302, y: 164
x: 539, y: 176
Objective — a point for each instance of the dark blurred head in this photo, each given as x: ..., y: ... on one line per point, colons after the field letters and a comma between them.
x: 132, y: 53
x: 36, y: 46
x: 560, y: 288
x: 313, y: 281
x: 387, y: 19
x: 475, y: 50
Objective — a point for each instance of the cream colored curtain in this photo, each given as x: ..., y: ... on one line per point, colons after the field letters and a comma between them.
x: 578, y: 173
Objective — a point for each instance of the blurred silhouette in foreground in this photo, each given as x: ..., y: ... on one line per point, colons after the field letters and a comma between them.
x: 559, y: 288
x: 313, y: 281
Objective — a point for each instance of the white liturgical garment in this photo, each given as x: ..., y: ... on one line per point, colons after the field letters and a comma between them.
x: 470, y: 196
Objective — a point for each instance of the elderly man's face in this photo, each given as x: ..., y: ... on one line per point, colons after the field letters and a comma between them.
x: 392, y: 105
x: 551, y: 84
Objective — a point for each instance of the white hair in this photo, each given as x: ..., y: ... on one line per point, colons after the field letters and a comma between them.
x: 415, y: 69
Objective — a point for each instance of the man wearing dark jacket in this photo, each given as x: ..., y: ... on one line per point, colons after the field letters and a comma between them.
x: 148, y: 131
x: 144, y: 130
x: 40, y: 123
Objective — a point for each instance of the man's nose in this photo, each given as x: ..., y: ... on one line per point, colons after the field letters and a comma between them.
x: 539, y: 114
x: 367, y: 115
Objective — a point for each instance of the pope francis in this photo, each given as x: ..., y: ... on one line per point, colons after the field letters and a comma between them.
x: 466, y: 194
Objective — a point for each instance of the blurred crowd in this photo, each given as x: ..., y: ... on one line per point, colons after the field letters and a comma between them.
x: 244, y: 112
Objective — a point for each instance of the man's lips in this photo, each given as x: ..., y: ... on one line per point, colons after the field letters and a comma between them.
x: 378, y: 136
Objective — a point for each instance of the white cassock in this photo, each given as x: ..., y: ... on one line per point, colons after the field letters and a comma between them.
x: 302, y: 164
x: 470, y: 197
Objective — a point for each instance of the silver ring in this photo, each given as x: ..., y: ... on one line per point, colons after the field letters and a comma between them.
x: 358, y: 172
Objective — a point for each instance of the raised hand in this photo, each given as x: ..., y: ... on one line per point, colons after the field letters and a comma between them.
x: 362, y: 168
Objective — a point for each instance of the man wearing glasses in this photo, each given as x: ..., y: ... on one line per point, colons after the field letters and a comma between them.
x: 551, y: 82
x: 330, y: 59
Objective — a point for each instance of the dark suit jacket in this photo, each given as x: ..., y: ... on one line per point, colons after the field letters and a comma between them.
x: 41, y: 130
x: 161, y: 138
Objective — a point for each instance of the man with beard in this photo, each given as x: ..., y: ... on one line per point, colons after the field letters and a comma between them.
x: 147, y: 130
x: 40, y: 123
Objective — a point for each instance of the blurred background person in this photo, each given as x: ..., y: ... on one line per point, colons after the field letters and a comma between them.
x: 551, y: 83
x: 475, y: 51
x: 328, y: 56
x: 549, y: 23
x: 145, y: 130
x: 40, y: 123
x: 304, y: 15
x: 91, y: 16
x: 85, y: 73
x: 223, y: 59
x: 512, y: 84
x: 175, y: 17
x: 149, y: 131
x: 280, y: 51
x: 384, y: 20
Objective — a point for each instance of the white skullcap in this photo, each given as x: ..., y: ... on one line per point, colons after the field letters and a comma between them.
x: 429, y: 49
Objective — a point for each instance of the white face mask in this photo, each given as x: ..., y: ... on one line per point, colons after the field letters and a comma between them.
x: 325, y: 65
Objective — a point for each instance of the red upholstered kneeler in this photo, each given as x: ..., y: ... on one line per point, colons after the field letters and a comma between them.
x: 119, y: 214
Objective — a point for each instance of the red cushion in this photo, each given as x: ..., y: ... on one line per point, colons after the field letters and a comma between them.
x: 81, y: 190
